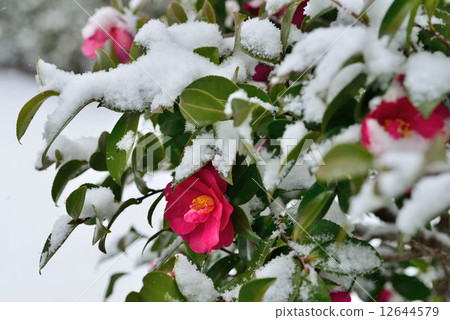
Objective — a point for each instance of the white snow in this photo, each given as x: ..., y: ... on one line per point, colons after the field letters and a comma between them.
x: 228, y: 143
x: 262, y: 38
x: 273, y: 6
x: 61, y: 229
x: 282, y: 268
x: 99, y: 202
x: 349, y: 258
x: 428, y: 199
x: 427, y: 77
x: 147, y: 81
x: 400, y: 171
x: 328, y: 49
x: 107, y: 17
x: 72, y: 149
x: 202, y: 150
x: 127, y: 141
x: 194, y: 285
x: 292, y: 135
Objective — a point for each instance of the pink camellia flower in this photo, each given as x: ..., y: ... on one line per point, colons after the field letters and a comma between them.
x: 396, y: 120
x: 385, y: 295
x: 262, y: 72
x: 253, y: 7
x: 108, y: 23
x: 198, y: 211
x: 299, y: 14
x: 340, y: 297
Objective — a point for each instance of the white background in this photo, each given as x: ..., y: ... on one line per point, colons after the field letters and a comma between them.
x: 27, y: 212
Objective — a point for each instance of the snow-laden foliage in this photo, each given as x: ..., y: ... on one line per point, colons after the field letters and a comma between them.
x: 307, y: 141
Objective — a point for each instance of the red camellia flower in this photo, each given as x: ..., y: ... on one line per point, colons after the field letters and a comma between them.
x: 108, y: 23
x: 198, y: 211
x: 400, y: 119
x: 262, y: 72
x: 384, y: 296
x: 340, y: 297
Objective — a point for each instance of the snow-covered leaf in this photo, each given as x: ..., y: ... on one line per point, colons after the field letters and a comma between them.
x: 254, y: 290
x: 344, y: 162
x: 349, y: 257
x: 61, y: 231
x: 29, y: 110
x: 158, y: 287
x: 120, y: 143
x: 395, y: 16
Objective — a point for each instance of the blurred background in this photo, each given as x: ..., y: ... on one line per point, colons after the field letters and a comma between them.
x: 50, y: 29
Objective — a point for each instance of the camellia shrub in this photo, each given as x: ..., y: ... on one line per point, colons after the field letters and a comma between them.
x: 307, y: 142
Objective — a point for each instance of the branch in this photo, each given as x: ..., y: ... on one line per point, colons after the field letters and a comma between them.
x: 353, y: 14
x: 434, y: 34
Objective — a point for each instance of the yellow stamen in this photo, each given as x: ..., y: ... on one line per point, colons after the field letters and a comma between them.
x: 203, y: 202
x: 403, y: 127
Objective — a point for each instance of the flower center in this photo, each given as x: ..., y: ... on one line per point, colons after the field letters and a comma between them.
x: 398, y: 128
x: 203, y: 204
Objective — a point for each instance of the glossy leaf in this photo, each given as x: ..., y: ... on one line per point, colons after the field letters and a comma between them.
x: 152, y: 208
x: 313, y: 207
x: 104, y: 62
x: 410, y: 287
x: 350, y: 257
x: 244, y: 186
x: 75, y: 202
x: 344, y: 162
x: 211, y: 53
x: 241, y: 224
x: 116, y: 159
x: 67, y: 172
x: 254, y: 290
x: 220, y: 269
x: 160, y: 287
x: 112, y: 281
x: 29, y: 110
x: 176, y: 14
x: 395, y: 16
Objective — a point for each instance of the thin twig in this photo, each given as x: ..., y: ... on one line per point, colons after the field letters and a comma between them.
x: 434, y: 34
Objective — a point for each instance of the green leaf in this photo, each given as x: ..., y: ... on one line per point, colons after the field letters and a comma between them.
x: 430, y: 7
x: 116, y: 159
x: 312, y: 208
x: 133, y: 296
x: 410, y: 287
x: 152, y: 208
x: 44, y: 160
x: 29, y: 110
x: 171, y: 123
x: 104, y: 62
x: 350, y: 257
x: 241, y: 224
x: 340, y: 111
x: 197, y: 258
x: 67, y: 172
x: 153, y: 237
x: 395, y: 16
x: 51, y: 246
x: 174, y: 147
x: 258, y: 259
x: 254, y: 290
x: 148, y: 154
x: 241, y: 110
x: 345, y: 162
x: 287, y: 23
x: 112, y: 281
x: 212, y: 53
x: 222, y: 268
x: 176, y: 14
x: 207, y: 13
x: 100, y: 231
x: 411, y: 21
x: 313, y: 288
x: 244, y: 187
x: 75, y: 202
x: 201, y: 108
x: 255, y: 92
x: 98, y: 161
x: 160, y: 287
